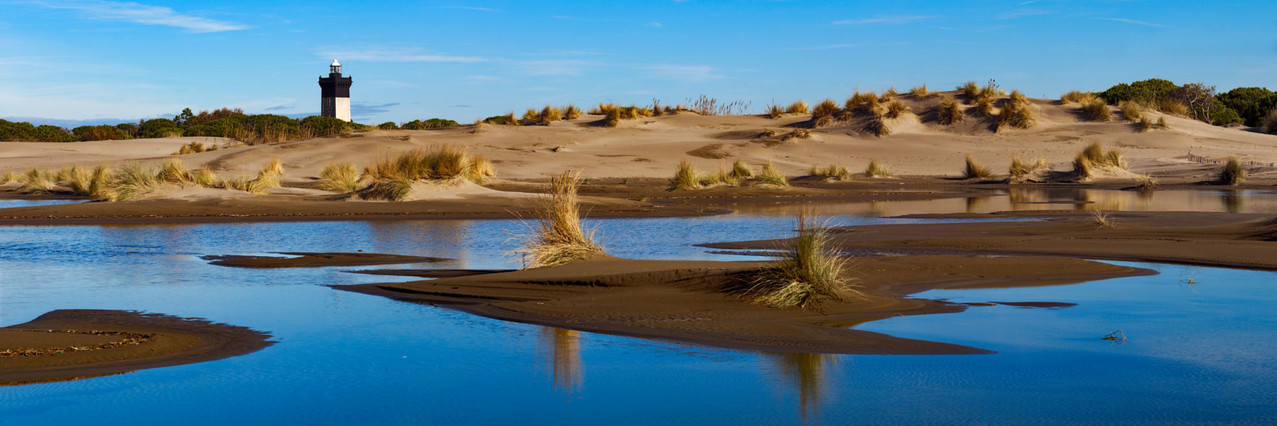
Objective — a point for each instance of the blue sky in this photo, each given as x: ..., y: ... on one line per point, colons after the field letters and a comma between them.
x: 466, y: 60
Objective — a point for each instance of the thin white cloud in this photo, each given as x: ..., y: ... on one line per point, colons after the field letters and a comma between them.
x: 886, y: 20
x: 1132, y: 21
x: 555, y: 67
x: 140, y: 14
x: 684, y: 72
x: 392, y: 55
x: 654, y: 24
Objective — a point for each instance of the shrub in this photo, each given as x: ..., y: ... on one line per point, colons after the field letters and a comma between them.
x: 1270, y: 122
x: 100, y: 133
x: 11, y: 131
x: 798, y: 107
x: 1251, y: 103
x: 896, y: 109
x: 824, y: 113
x: 159, y: 128
x: 808, y: 270
x: 974, y: 170
x: 389, y: 125
x: 685, y: 177
x: 507, y: 119
x: 772, y: 176
x: 949, y: 112
x: 877, y: 170
x: 1232, y: 174
x: 432, y: 123
x: 558, y: 237
x: 340, y: 177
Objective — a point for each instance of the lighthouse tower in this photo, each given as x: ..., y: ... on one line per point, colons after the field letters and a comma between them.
x: 335, y: 93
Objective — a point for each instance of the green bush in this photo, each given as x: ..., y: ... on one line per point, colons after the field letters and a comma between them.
x: 11, y: 131
x: 159, y: 128
x: 1222, y: 115
x: 389, y: 125
x: 1151, y: 91
x: 1251, y: 103
x: 100, y: 133
x: 433, y: 123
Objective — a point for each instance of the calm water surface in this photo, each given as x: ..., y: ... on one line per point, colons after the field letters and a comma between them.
x: 1200, y: 341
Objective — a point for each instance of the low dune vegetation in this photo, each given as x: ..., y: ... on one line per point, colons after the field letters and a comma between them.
x: 1075, y: 96
x: 1094, y: 156
x: 1131, y: 110
x: 798, y: 107
x: 825, y: 113
x: 897, y: 109
x: 948, y: 111
x: 1016, y: 112
x: 1096, y: 110
x: 1233, y: 173
x: 808, y: 271
x: 974, y: 170
x: 770, y: 175
x: 131, y: 180
x: 833, y: 171
x: 1270, y: 123
x: 341, y: 177
x: 686, y: 177
x: 1146, y: 182
x: 557, y: 237
x: 877, y: 170
x: 921, y: 92
x: 1021, y: 170
x: 392, y: 177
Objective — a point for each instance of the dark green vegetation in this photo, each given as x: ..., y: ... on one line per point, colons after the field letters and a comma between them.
x: 1243, y: 105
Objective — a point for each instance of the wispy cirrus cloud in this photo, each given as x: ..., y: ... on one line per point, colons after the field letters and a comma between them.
x: 684, y: 72
x: 1132, y: 21
x: 886, y: 20
x: 139, y: 14
x: 382, y: 54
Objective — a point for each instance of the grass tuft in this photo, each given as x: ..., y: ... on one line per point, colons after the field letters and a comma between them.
x: 825, y: 113
x: 973, y: 169
x: 742, y: 170
x: 571, y: 112
x: 970, y: 90
x: 1021, y: 170
x: 948, y: 111
x: 921, y: 92
x: 133, y: 180
x: 833, y: 171
x: 1146, y: 182
x: 1096, y: 110
x: 558, y: 237
x: 7, y: 177
x: 1075, y: 96
x: 1016, y: 112
x: 1093, y: 156
x: 798, y: 107
x: 174, y: 171
x: 775, y: 111
x: 770, y: 175
x: 685, y: 178
x: 983, y: 107
x: 1270, y: 122
x: 896, y: 109
x: 877, y: 170
x: 37, y: 181
x: 1232, y: 174
x: 1102, y: 220
x: 808, y: 271
x: 341, y: 177
x: 1131, y: 111
x: 101, y: 185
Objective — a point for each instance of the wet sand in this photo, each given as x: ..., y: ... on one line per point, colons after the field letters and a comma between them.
x: 75, y: 344
x: 312, y: 260
x: 1206, y: 239
x: 699, y: 302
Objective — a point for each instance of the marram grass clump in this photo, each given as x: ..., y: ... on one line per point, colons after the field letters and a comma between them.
x: 875, y: 169
x: 1094, y: 156
x: 341, y: 177
x: 808, y: 272
x: 770, y: 175
x: 973, y: 169
x: 833, y: 171
x: 558, y: 237
x: 1021, y: 170
x: 1232, y: 174
x: 685, y: 178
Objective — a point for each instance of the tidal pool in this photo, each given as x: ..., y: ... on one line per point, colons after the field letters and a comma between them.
x: 1199, y: 340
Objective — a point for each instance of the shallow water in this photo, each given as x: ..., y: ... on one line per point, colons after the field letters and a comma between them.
x: 1195, y: 352
x: 4, y: 204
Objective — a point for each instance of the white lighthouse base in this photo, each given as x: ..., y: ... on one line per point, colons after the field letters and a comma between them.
x: 335, y: 107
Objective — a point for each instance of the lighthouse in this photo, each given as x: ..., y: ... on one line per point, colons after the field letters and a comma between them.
x: 335, y: 93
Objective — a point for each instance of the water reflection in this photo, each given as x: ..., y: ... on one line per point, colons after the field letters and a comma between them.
x: 1232, y: 200
x: 808, y: 373
x: 445, y: 238
x: 560, y: 351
